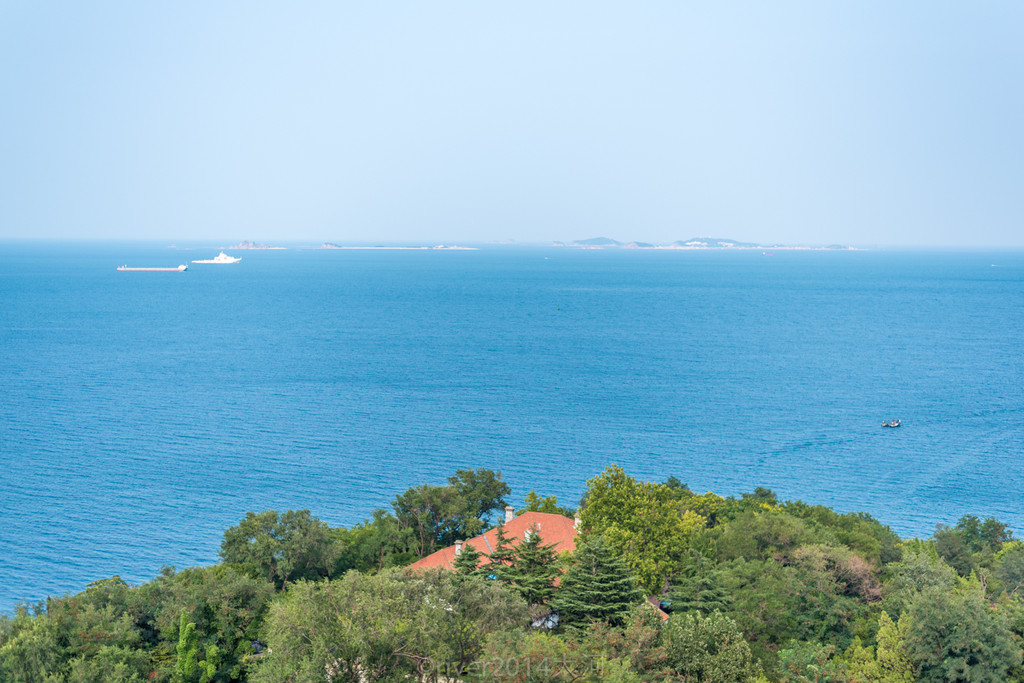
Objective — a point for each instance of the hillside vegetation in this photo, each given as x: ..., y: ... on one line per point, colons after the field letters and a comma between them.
x: 754, y: 589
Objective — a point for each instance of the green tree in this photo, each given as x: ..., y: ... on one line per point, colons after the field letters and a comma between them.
x: 894, y: 663
x: 698, y: 586
x: 499, y: 564
x: 482, y: 491
x: 1009, y: 570
x: 30, y: 649
x: 708, y: 648
x: 280, y: 548
x: 919, y: 570
x: 437, y: 516
x: 188, y: 649
x: 386, y: 626
x: 540, y: 657
x: 596, y: 587
x: 956, y: 636
x: 533, y: 569
x: 467, y: 562
x: 111, y: 664
x: 647, y: 523
x: 549, y: 504
x: 226, y: 606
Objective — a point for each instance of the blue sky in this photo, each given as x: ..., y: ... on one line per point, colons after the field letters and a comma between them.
x: 866, y: 123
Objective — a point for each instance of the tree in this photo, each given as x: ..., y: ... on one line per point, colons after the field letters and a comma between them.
x: 596, y: 587
x: 30, y: 649
x: 533, y: 569
x: 437, y: 516
x: 501, y: 558
x: 483, y: 491
x: 387, y: 626
x: 956, y: 636
x: 467, y: 562
x: 698, y: 587
x: 645, y: 522
x: 894, y: 663
x: 1010, y: 568
x: 226, y: 607
x: 917, y: 571
x: 281, y: 548
x: 708, y: 648
x: 549, y: 504
x: 188, y: 649
x: 540, y: 657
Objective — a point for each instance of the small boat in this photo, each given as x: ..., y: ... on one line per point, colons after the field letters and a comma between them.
x: 180, y: 269
x: 893, y: 423
x: 220, y: 258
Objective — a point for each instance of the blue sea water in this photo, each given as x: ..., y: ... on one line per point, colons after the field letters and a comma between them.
x: 141, y: 414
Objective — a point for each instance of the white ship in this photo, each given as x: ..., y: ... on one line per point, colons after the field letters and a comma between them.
x: 220, y: 258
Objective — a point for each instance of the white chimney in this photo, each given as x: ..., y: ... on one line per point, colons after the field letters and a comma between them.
x: 510, y: 513
x: 458, y: 548
x: 576, y: 522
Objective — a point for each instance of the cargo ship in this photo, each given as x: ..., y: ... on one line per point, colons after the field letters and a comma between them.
x: 220, y: 258
x: 180, y: 269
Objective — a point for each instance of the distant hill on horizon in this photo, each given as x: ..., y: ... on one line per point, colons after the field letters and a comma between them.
x: 692, y: 243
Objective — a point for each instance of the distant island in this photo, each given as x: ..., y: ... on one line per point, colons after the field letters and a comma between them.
x: 693, y: 243
x: 332, y: 245
x: 249, y: 244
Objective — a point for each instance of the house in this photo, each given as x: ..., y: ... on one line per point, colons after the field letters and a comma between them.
x: 554, y: 530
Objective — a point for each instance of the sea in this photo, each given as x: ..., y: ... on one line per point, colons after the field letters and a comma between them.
x: 143, y: 413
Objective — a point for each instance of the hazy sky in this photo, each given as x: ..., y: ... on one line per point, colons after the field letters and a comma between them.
x: 813, y: 122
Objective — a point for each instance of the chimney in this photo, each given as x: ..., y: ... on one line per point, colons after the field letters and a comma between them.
x: 458, y: 548
x: 510, y: 513
x: 576, y: 522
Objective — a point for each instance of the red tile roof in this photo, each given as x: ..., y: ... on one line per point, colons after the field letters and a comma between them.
x: 553, y: 529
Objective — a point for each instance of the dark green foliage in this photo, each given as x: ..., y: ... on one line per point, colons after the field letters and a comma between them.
x: 374, y: 545
x: 775, y: 603
x: 809, y: 589
x: 638, y: 641
x: 287, y: 547
x: 467, y: 562
x: 539, y: 657
x: 917, y: 571
x: 383, y: 627
x: 1009, y: 570
x: 971, y: 544
x: 647, y: 523
x: 698, y: 587
x: 673, y: 482
x: 533, y: 569
x: 810, y: 662
x: 437, y: 516
x: 708, y: 648
x: 482, y: 491
x: 501, y: 558
x: 761, y: 534
x: 872, y: 540
x: 596, y: 587
x: 956, y: 636
x: 760, y: 496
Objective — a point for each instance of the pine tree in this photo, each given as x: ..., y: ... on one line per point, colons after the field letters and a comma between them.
x: 501, y: 558
x: 699, y: 587
x: 597, y: 587
x: 467, y: 562
x: 534, y: 569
